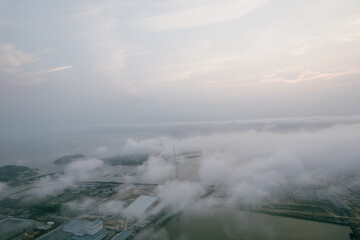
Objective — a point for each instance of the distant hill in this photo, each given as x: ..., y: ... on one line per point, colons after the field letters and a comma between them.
x: 68, y: 159
x: 130, y: 160
x: 11, y: 172
x: 139, y: 159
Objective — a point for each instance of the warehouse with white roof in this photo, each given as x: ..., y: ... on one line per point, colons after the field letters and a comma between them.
x: 141, y: 206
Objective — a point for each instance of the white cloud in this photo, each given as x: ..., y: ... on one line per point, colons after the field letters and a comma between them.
x: 147, y: 146
x: 250, y: 165
x: 210, y: 12
x: 81, y: 170
x: 59, y: 69
x: 339, y: 30
x: 48, y: 186
x: 301, y: 74
x: 180, y: 195
x: 156, y: 170
x: 97, y: 24
x: 300, y: 51
x: 84, y: 169
x: 14, y: 65
x: 348, y: 37
x: 79, y: 206
x: 191, y: 69
x: 112, y: 207
x: 347, y: 32
x: 102, y: 150
x: 12, y: 61
x: 97, y: 9
x: 98, y: 28
x: 10, y: 56
x: 3, y: 188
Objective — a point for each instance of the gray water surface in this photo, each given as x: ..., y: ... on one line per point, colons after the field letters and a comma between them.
x: 232, y: 224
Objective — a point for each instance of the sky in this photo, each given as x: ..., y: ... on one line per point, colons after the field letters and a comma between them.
x: 69, y: 63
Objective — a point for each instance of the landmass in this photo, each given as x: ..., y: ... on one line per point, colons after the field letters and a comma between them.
x: 68, y: 159
x: 13, y: 172
x: 130, y: 160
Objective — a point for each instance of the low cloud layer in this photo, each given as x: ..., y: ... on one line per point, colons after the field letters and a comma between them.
x: 148, y: 146
x: 156, y: 169
x: 3, y: 188
x: 249, y: 165
x: 180, y: 194
x: 108, y: 208
x: 78, y: 206
x: 252, y: 165
x: 112, y: 207
x: 76, y: 171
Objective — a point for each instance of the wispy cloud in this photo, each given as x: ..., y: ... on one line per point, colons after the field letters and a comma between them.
x: 101, y: 36
x: 290, y: 76
x: 232, y: 83
x: 300, y: 51
x: 345, y: 84
x: 12, y: 61
x: 59, y: 69
x: 97, y: 9
x: 341, y: 31
x: 188, y: 70
x: 10, y: 56
x: 75, y: 171
x: 208, y: 13
x: 300, y: 75
x: 14, y: 66
x: 348, y: 32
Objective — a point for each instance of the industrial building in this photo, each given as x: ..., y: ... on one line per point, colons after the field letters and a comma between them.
x: 57, y: 234
x: 141, y: 206
x: 124, y: 235
x: 85, y: 230
x: 157, y: 211
x: 93, y: 227
x: 46, y: 226
x: 97, y: 236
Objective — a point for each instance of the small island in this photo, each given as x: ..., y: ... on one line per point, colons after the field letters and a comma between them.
x: 68, y: 159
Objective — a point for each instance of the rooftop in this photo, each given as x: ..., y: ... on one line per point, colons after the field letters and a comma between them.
x: 99, y: 235
x: 81, y: 227
x: 93, y: 224
x: 140, y: 205
x: 123, y: 235
x: 158, y: 208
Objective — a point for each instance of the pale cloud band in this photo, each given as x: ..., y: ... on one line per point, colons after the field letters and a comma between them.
x: 299, y: 75
x: 12, y: 62
x: 59, y: 69
x: 206, y: 14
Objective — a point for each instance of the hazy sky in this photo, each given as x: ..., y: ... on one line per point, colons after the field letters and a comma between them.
x: 107, y: 62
